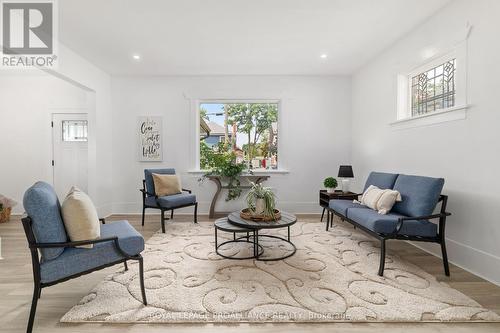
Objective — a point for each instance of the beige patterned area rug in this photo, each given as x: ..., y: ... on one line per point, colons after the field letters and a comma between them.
x: 332, y: 277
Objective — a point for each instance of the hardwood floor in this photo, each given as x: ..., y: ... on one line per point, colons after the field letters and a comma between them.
x: 16, y: 287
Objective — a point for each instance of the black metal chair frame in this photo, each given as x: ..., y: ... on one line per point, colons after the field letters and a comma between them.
x: 145, y: 194
x: 440, y: 237
x: 35, y: 260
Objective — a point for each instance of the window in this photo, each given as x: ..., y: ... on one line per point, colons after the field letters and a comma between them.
x: 74, y: 130
x: 249, y: 131
x: 433, y: 89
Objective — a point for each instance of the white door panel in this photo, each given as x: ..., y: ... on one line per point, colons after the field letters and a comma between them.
x: 70, y: 151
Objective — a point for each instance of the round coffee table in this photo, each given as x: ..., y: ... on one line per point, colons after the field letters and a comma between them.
x: 223, y: 225
x: 285, y: 221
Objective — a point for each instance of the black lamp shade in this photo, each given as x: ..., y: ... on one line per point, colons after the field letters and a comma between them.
x: 345, y: 171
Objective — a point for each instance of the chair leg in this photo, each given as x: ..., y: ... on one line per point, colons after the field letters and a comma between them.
x: 445, y: 258
x: 162, y: 221
x: 141, y: 278
x: 172, y: 214
x: 36, y: 295
x: 143, y: 212
x: 327, y: 220
x: 196, y: 213
x: 382, y: 258
x: 126, y: 266
x: 331, y: 220
x: 323, y: 214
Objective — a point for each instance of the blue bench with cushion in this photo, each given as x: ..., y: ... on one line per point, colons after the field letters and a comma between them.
x: 167, y: 202
x: 56, y: 259
x: 409, y: 219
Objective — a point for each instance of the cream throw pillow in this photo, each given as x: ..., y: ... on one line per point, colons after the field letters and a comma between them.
x: 380, y: 200
x: 80, y: 217
x: 166, y: 184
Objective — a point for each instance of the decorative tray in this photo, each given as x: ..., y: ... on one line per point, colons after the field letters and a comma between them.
x: 247, y: 214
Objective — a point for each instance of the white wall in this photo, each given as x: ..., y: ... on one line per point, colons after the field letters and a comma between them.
x: 314, y: 132
x: 464, y: 152
x: 27, y: 101
x: 80, y: 72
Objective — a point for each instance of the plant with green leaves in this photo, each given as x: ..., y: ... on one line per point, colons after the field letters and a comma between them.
x: 261, y: 200
x: 255, y: 120
x: 223, y: 164
x: 330, y: 182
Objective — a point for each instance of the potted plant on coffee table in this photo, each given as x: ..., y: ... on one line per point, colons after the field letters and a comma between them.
x: 330, y: 184
x: 261, y: 203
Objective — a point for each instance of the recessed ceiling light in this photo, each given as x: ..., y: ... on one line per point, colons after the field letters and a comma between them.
x: 136, y: 57
x: 324, y: 56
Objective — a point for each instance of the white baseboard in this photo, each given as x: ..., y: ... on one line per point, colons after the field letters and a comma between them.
x: 105, y: 210
x: 468, y: 258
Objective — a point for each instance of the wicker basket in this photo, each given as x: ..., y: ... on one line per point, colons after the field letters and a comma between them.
x: 248, y: 215
x: 5, y: 214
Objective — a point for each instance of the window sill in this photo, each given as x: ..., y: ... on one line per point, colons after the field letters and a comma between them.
x: 257, y: 172
x: 450, y: 114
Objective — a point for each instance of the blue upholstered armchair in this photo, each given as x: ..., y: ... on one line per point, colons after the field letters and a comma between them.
x: 59, y: 260
x: 165, y: 203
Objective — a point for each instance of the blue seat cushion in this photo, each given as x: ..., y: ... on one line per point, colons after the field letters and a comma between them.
x: 381, y: 180
x: 148, y: 177
x: 419, y: 195
x: 341, y: 206
x: 42, y: 206
x: 77, y: 260
x: 386, y: 224
x: 172, y: 201
x: 177, y: 200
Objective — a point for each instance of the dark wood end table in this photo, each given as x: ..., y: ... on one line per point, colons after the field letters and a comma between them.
x: 324, y: 201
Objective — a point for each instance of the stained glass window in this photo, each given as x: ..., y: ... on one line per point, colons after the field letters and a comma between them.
x: 433, y: 89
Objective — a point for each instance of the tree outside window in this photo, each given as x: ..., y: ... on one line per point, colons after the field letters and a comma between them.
x: 249, y: 131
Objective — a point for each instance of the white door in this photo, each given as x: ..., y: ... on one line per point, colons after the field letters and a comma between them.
x: 70, y: 152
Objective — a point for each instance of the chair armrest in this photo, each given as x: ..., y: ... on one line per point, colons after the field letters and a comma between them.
x: 74, y: 244
x: 186, y: 190
x: 401, y: 220
x: 147, y: 193
x: 428, y: 217
x: 81, y: 243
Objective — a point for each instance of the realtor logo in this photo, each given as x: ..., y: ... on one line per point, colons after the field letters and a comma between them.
x: 27, y: 30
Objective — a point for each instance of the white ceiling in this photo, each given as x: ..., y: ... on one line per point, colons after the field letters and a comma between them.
x: 219, y: 37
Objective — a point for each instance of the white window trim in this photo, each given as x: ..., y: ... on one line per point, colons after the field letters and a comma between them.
x: 196, y: 107
x: 404, y: 117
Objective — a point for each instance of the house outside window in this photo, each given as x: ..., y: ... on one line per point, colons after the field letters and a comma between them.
x: 247, y: 130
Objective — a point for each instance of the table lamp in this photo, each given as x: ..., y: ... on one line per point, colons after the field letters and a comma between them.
x: 345, y: 172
